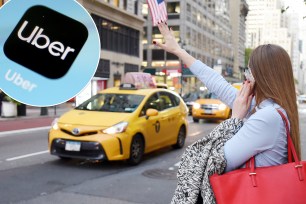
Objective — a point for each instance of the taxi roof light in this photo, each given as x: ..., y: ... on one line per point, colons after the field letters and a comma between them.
x: 140, y: 80
x: 127, y: 86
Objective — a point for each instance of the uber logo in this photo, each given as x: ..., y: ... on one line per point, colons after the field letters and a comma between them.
x: 46, y: 42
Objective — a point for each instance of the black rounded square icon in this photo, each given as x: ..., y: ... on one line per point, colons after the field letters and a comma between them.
x: 46, y: 42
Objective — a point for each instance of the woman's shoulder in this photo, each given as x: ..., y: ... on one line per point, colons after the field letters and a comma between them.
x: 267, y: 115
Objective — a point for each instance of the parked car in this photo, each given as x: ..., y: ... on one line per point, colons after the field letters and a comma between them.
x: 121, y: 123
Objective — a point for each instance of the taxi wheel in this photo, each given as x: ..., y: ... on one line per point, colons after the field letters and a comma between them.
x: 137, y: 150
x: 180, y: 138
x: 195, y: 120
x: 64, y: 158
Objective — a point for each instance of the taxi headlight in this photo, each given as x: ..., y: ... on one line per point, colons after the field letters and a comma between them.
x: 118, y: 128
x: 196, y: 106
x: 54, y: 124
x: 222, y: 107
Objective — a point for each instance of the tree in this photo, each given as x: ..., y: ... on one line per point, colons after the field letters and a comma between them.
x: 248, y: 52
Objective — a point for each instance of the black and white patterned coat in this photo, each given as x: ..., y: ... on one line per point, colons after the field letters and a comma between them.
x: 202, y: 159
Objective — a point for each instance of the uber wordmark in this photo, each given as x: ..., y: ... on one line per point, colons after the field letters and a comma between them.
x: 46, y: 42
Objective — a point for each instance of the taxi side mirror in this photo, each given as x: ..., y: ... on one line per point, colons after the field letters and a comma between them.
x: 151, y: 112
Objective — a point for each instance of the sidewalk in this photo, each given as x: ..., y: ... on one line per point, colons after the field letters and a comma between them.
x: 33, y: 119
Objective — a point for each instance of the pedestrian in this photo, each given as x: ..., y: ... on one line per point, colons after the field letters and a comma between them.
x: 2, y: 95
x: 269, y: 86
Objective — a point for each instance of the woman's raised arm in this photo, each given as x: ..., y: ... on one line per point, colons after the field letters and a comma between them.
x: 172, y: 46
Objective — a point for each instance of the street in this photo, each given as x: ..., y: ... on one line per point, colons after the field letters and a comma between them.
x: 30, y: 175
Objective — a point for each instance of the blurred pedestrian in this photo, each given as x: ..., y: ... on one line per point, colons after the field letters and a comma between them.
x: 2, y: 95
x: 269, y: 86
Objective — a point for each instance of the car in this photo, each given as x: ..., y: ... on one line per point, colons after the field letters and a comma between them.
x: 301, y: 98
x: 190, y: 98
x: 121, y: 123
x: 210, y: 107
x: 161, y: 86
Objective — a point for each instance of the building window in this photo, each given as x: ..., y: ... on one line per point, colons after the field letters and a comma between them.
x: 103, y: 69
x: 125, y: 4
x: 136, y: 7
x: 145, y: 10
x: 173, y: 7
x: 131, y: 68
x: 116, y: 37
x: 188, y: 7
x: 116, y: 3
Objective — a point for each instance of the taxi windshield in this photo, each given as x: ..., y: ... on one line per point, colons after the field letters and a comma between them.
x: 120, y: 103
x: 211, y: 96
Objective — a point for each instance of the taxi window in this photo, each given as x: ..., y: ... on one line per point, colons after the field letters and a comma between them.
x: 211, y: 96
x: 120, y: 103
x: 166, y: 101
x: 152, y: 102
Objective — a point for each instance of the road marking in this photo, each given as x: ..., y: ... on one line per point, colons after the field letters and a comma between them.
x: 7, y: 133
x: 27, y: 155
x: 176, y: 165
x: 195, y: 134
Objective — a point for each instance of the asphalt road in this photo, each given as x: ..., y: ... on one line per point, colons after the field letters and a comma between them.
x: 29, y: 175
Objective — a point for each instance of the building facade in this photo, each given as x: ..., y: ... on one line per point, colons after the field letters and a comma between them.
x: 120, y: 26
x: 267, y: 24
x: 238, y: 13
x: 279, y: 22
x: 204, y: 30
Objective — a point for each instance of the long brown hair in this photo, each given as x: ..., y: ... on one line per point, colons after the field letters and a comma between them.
x: 273, y: 74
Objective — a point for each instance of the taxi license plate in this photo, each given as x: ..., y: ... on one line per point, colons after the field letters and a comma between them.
x: 73, y: 146
x: 208, y: 111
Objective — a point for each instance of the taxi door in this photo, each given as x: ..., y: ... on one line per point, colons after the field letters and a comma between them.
x: 151, y: 125
x: 169, y: 118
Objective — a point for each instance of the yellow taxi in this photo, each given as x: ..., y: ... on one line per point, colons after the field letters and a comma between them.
x: 211, y: 108
x: 121, y: 123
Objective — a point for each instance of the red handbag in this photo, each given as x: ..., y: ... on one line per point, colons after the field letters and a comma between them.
x: 282, y: 184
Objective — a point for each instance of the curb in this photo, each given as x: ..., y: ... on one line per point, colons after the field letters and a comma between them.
x: 15, y: 132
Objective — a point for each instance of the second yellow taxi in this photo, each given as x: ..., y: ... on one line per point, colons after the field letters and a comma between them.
x: 211, y: 108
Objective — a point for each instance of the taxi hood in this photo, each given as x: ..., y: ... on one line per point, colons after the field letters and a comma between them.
x: 209, y: 101
x: 93, y: 118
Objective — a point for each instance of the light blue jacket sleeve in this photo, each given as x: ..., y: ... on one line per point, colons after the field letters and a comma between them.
x: 214, y: 82
x: 258, y: 134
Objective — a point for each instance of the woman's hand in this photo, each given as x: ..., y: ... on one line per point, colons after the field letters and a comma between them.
x: 243, y: 101
x: 170, y: 45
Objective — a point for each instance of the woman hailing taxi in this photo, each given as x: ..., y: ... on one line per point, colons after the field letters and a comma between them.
x: 271, y: 82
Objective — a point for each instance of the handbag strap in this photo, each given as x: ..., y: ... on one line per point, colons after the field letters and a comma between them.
x: 291, y: 151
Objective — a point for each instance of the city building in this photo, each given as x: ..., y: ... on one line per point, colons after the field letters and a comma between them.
x: 267, y: 24
x: 204, y: 29
x: 120, y: 25
x: 296, y: 12
x: 238, y: 13
x: 278, y: 22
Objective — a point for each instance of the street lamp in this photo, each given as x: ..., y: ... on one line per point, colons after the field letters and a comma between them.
x: 182, y: 44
